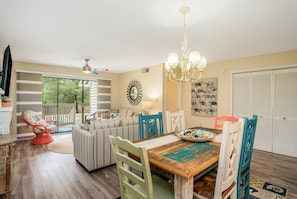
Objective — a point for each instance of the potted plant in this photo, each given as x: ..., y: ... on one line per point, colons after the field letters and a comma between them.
x: 5, y: 101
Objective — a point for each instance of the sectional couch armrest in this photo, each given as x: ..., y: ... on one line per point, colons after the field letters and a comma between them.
x: 83, y: 142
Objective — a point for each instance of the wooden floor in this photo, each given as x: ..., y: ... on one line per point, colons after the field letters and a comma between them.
x: 42, y: 174
x: 277, y: 169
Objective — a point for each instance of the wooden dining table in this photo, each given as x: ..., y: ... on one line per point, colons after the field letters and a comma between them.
x: 181, y: 160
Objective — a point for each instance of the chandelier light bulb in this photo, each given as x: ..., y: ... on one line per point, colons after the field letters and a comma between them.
x: 202, y: 64
x: 194, y: 58
x: 167, y: 67
x: 172, y: 60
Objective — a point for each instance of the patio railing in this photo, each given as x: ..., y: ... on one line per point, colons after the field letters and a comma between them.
x: 66, y: 112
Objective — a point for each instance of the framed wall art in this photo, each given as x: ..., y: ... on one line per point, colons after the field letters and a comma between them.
x: 204, y: 95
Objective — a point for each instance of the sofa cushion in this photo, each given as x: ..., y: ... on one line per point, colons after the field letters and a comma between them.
x: 124, y: 122
x: 130, y: 121
x: 135, y: 120
x: 85, y: 127
x: 116, y: 122
x: 123, y: 113
x: 105, y: 123
x: 130, y: 113
x: 96, y: 124
x: 112, y: 123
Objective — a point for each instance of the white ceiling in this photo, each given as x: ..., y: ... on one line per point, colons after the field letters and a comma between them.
x: 124, y: 35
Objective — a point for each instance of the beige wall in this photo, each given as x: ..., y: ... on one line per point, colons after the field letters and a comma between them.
x: 152, y: 87
x: 223, y: 70
x: 172, y: 96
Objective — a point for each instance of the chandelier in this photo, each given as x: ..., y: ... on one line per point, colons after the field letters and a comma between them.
x: 191, y: 64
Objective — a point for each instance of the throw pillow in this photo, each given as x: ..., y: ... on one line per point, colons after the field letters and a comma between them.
x: 116, y: 122
x: 114, y: 115
x: 124, y: 122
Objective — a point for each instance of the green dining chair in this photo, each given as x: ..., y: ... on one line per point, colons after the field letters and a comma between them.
x: 150, y: 125
x: 136, y: 181
x: 243, y: 178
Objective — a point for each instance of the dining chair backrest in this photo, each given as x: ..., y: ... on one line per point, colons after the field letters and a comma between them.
x: 219, y: 121
x: 136, y: 181
x: 150, y: 125
x: 243, y: 178
x: 226, y: 175
x: 175, y: 121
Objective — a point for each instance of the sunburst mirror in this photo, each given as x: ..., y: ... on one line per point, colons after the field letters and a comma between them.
x: 134, y: 92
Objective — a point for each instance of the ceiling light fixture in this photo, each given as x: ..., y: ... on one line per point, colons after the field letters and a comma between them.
x: 191, y: 65
x: 87, y: 68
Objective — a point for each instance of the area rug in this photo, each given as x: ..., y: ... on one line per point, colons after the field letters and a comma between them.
x: 265, y: 190
x: 61, y: 145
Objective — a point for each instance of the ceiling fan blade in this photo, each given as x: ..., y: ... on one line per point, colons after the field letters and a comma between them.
x: 101, y: 69
x: 95, y: 72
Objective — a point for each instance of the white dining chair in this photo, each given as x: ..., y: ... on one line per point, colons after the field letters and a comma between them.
x: 221, y: 183
x: 175, y: 121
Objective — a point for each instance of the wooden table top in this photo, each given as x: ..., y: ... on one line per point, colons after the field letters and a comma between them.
x: 184, y: 158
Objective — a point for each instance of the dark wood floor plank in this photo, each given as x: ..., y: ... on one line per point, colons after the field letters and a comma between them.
x: 277, y: 169
x: 41, y: 174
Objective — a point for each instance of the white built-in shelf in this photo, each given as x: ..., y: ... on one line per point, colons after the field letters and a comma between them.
x: 5, y: 119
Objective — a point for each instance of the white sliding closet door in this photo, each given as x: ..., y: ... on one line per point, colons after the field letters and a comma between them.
x: 241, y: 94
x: 262, y: 106
x: 285, y: 112
x: 272, y: 95
x: 252, y: 95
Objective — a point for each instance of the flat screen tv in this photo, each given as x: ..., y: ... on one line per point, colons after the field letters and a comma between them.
x: 5, y: 74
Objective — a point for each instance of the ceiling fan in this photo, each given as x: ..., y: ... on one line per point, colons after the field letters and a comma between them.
x: 95, y: 71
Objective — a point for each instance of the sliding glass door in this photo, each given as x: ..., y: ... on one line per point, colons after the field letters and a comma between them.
x: 66, y: 101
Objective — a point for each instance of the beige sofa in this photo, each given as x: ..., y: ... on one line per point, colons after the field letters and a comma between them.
x: 92, y: 146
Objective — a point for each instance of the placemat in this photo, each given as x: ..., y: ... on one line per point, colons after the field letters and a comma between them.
x: 187, y: 154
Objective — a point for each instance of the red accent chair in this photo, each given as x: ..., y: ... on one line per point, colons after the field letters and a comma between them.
x: 219, y: 121
x: 41, y: 128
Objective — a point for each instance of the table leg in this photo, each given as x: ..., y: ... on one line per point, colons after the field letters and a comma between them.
x: 183, y: 188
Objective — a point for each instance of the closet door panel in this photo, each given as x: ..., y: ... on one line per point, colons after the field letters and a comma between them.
x: 285, y: 93
x: 285, y: 137
x: 285, y: 112
x: 263, y: 137
x: 261, y: 106
x: 241, y: 94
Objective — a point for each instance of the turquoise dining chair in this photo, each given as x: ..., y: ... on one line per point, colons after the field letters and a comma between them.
x: 150, y: 125
x: 243, y: 177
